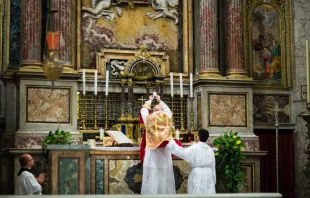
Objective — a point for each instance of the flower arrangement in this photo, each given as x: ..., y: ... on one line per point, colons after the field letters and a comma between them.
x: 228, y: 160
x: 57, y: 137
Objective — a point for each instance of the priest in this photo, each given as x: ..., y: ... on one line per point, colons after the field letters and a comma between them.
x: 158, y: 176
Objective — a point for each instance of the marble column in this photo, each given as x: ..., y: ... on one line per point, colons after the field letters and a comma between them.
x: 31, y: 33
x: 62, y: 20
x: 209, y: 66
x: 234, y: 34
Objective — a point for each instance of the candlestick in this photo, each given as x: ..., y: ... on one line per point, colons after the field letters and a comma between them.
x: 192, y: 114
x: 101, y: 133
x: 95, y: 112
x: 191, y: 84
x: 171, y: 84
x: 106, y: 127
x: 95, y: 83
x: 177, y: 134
x: 308, y: 70
x: 84, y: 81
x: 107, y: 83
x: 181, y: 86
x: 182, y: 114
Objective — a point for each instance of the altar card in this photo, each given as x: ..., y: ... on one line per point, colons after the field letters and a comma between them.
x: 119, y: 137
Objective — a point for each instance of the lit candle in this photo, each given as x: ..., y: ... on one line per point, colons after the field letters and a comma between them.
x: 107, y: 83
x: 84, y: 81
x: 308, y: 70
x: 191, y: 84
x: 177, y: 134
x: 171, y: 84
x: 181, y: 86
x: 95, y: 86
x: 101, y: 133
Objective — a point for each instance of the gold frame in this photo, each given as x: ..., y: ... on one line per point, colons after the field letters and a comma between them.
x: 229, y: 93
x: 47, y: 87
x: 285, y: 35
x: 187, y: 33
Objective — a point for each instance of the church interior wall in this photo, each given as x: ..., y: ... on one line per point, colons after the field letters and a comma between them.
x: 19, y: 133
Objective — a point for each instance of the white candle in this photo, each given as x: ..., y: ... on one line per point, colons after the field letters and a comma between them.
x: 101, y: 133
x: 107, y: 83
x: 191, y: 84
x: 177, y: 134
x: 308, y: 70
x: 181, y: 86
x: 84, y: 81
x: 95, y: 86
x: 171, y: 84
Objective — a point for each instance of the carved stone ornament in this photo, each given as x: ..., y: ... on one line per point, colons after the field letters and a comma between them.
x: 161, y: 6
x: 142, y: 66
x: 100, y: 8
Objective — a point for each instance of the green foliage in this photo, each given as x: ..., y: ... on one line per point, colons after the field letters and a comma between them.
x: 57, y: 137
x: 228, y: 160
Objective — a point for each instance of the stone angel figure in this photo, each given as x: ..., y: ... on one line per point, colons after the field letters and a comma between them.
x: 100, y: 8
x: 161, y: 6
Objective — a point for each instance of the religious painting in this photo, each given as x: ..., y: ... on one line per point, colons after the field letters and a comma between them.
x: 266, y: 43
x: 268, y: 40
x: 68, y: 176
x: 48, y: 105
x: 128, y: 25
x: 227, y: 109
x: 264, y: 105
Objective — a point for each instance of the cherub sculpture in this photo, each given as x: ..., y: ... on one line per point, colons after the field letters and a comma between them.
x: 100, y: 8
x: 161, y: 6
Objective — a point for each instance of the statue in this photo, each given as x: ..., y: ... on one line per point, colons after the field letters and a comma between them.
x: 100, y: 8
x: 161, y: 6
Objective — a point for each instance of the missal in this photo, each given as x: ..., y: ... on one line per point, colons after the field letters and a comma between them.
x: 121, y: 139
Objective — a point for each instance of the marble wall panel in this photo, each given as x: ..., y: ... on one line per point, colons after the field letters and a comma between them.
x: 48, y: 105
x: 263, y: 108
x: 227, y: 109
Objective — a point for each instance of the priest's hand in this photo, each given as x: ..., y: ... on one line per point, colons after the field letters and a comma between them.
x: 41, y: 178
x: 158, y: 98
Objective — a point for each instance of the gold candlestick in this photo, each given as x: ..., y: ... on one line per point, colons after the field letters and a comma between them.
x: 182, y: 113
x: 95, y: 113
x: 83, y: 112
x: 106, y: 112
x: 192, y: 114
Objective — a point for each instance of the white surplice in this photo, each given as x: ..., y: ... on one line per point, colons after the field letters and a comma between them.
x: 200, y: 156
x: 158, y: 176
x: 28, y: 185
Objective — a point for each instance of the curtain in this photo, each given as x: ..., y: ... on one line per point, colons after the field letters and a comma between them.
x: 267, y: 140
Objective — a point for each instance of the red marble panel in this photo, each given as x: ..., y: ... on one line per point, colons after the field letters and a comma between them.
x: 62, y: 21
x: 234, y: 32
x: 209, y: 36
x: 31, y: 31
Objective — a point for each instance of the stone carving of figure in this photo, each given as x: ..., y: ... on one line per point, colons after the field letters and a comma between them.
x: 117, y: 67
x: 161, y: 6
x: 100, y: 8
